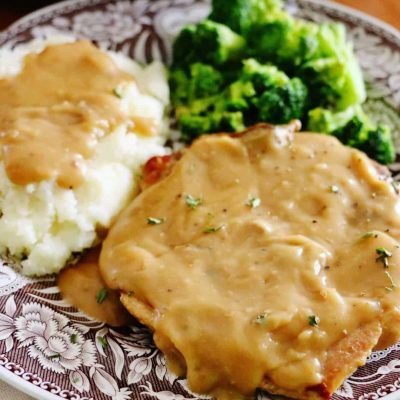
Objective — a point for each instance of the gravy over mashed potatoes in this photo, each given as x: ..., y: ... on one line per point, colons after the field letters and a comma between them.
x: 269, y: 259
x: 76, y: 123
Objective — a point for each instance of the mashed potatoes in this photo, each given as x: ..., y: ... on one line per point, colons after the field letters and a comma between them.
x: 44, y: 225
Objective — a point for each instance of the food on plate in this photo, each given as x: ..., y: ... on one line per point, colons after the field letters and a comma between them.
x: 268, y: 259
x: 82, y: 286
x: 353, y: 128
x: 296, y: 69
x: 270, y: 93
x: 76, y: 125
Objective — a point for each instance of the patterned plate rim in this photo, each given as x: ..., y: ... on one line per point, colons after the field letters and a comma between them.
x: 21, y: 383
x: 384, y: 26
x: 28, y: 384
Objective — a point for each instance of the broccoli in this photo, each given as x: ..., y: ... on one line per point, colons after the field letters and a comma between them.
x: 238, y: 94
x: 285, y: 42
x: 334, y: 83
x: 262, y: 76
x: 240, y: 15
x: 325, y: 79
x: 353, y: 128
x: 179, y: 86
x: 278, y: 98
x: 193, y: 125
x: 333, y: 74
x: 379, y: 145
x: 319, y: 54
x: 202, y: 80
x: 261, y: 93
x: 251, y: 61
x: 325, y: 121
x: 331, y: 39
x: 208, y: 42
x: 281, y: 104
x: 230, y: 121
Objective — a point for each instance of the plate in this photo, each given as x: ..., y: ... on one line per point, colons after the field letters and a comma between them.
x: 33, y: 316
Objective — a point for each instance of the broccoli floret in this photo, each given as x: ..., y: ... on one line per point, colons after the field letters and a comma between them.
x: 331, y: 38
x: 285, y: 42
x: 266, y: 40
x: 281, y: 104
x: 238, y: 95
x: 179, y: 86
x: 262, y: 76
x: 353, y: 128
x: 376, y: 142
x: 262, y: 93
x: 325, y: 79
x: 379, y: 145
x: 319, y: 54
x: 201, y: 81
x: 240, y: 15
x: 334, y: 82
x: 325, y: 121
x: 300, y: 45
x: 230, y: 121
x: 208, y: 42
x: 333, y: 74
x: 193, y: 126
x: 202, y: 106
x: 204, y: 81
x: 277, y: 99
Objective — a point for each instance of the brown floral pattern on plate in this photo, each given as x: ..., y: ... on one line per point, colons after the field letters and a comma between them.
x: 36, y: 325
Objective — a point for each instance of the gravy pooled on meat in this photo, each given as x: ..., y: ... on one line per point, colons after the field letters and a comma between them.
x: 53, y: 112
x: 266, y: 260
x: 82, y: 286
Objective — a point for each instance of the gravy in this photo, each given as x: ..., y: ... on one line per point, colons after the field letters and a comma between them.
x: 81, y: 284
x: 288, y: 244
x: 54, y: 111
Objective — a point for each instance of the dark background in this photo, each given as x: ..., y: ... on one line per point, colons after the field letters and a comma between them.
x: 11, y: 10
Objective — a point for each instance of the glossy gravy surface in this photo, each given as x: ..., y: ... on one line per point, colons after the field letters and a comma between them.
x: 80, y: 286
x: 276, y: 263
x: 53, y: 112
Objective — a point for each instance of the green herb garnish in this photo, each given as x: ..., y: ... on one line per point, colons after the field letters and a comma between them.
x: 101, y: 296
x: 383, y: 256
x: 74, y: 338
x: 155, y: 221
x: 213, y: 229
x: 368, y: 235
x: 254, y: 202
x: 192, y: 203
x: 260, y: 319
x: 313, y: 320
x: 102, y: 341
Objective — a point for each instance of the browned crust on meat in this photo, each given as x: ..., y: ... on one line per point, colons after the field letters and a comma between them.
x: 350, y: 353
x: 342, y: 360
x: 140, y: 310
